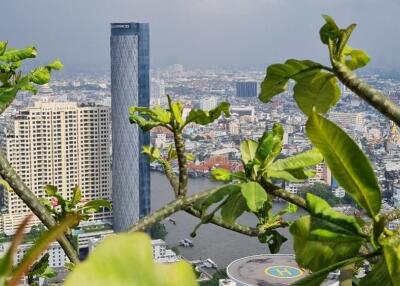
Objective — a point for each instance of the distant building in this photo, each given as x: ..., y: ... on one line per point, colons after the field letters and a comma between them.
x: 161, y: 253
x: 246, y: 89
x: 157, y: 94
x: 348, y: 119
x: 130, y: 86
x: 208, y: 103
x: 61, y: 144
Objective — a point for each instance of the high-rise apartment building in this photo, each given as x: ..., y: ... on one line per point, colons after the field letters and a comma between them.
x: 348, y: 119
x: 130, y: 86
x: 61, y: 144
x: 246, y: 89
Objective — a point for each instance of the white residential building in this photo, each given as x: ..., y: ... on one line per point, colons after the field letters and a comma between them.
x: 61, y: 144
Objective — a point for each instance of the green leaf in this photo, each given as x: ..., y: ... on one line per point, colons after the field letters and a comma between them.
x: 303, y: 160
x: 96, y: 205
x: 6, y: 185
x: 278, y: 75
x: 172, y: 155
x: 321, y: 209
x: 3, y: 47
x: 316, y: 278
x: 56, y: 64
x: 132, y: 265
x: 316, y: 252
x: 391, y: 251
x: 203, y: 117
x: 254, y: 194
x: 216, y: 197
x: 248, y: 149
x: 275, y: 241
x: 344, y: 38
x: 355, y: 59
x: 270, y: 145
x: 329, y: 30
x: 379, y: 275
x: 177, y: 108
x: 154, y: 114
x: 347, y: 162
x: 319, y: 91
x: 153, y: 153
x: 233, y: 208
x: 50, y: 190
x: 76, y: 195
x: 145, y: 125
x: 41, y: 245
x: 221, y: 174
x: 291, y: 175
x: 16, y: 55
x: 7, y: 261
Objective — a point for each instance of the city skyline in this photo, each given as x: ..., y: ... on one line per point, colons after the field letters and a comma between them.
x: 214, y: 34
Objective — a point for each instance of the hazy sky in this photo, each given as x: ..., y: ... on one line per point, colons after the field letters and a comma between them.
x: 201, y: 33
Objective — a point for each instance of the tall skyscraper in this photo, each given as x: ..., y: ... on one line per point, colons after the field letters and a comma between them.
x: 61, y: 144
x: 130, y: 86
x: 246, y: 89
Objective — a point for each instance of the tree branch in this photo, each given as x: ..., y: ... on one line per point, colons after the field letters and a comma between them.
x: 169, y: 173
x: 283, y: 194
x: 25, y: 194
x: 374, y: 97
x: 183, y: 173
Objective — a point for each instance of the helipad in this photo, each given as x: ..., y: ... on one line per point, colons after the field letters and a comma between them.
x: 267, y: 270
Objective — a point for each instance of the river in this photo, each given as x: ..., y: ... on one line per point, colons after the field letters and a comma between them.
x: 222, y: 246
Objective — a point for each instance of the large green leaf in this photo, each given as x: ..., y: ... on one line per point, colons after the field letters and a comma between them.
x: 233, y: 208
x: 248, y: 149
x: 347, y: 162
x: 319, y: 91
x: 379, y: 275
x: 278, y: 75
x: 204, y: 117
x: 317, y: 244
x: 254, y: 194
x: 391, y: 251
x: 303, y: 160
x: 126, y: 259
x: 321, y: 209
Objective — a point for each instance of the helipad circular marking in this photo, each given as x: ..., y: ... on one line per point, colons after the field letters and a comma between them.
x: 282, y: 271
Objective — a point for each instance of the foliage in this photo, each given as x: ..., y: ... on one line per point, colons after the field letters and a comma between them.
x: 132, y: 264
x: 60, y: 207
x: 158, y: 231
x: 10, y: 275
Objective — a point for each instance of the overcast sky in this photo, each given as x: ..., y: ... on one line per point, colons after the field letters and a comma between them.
x: 201, y: 33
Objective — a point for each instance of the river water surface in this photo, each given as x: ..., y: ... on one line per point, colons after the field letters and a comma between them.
x: 222, y: 246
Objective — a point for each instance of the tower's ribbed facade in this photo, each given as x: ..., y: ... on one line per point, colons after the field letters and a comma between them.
x: 130, y: 66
